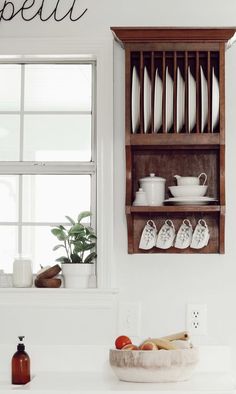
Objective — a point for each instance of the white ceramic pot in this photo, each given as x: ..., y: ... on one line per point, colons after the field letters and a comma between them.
x: 77, y: 275
x: 154, y: 187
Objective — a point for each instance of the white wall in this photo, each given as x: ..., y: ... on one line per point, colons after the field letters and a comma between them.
x: 163, y: 284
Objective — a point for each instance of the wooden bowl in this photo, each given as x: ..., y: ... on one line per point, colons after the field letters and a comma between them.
x: 50, y: 272
x: 48, y: 283
x: 154, y: 365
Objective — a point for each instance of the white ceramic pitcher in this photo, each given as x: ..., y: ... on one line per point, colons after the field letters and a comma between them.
x: 190, y: 180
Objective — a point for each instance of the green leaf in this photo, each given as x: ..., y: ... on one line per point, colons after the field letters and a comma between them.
x: 78, y: 238
x: 59, y: 233
x: 70, y: 220
x: 92, y: 236
x: 62, y: 237
x: 75, y: 258
x: 77, y: 228
x: 83, y: 215
x: 58, y: 247
x: 56, y: 231
x: 78, y: 245
x: 90, y: 257
x: 89, y: 246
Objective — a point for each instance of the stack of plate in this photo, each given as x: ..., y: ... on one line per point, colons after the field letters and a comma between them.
x: 169, y: 101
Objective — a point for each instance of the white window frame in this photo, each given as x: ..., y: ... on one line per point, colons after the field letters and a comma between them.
x: 21, y: 167
x: 102, y: 53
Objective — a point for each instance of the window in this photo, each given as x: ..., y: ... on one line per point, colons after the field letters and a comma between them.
x: 47, y: 154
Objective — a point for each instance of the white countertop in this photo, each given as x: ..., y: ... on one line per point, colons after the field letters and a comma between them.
x: 81, y: 370
x: 91, y: 382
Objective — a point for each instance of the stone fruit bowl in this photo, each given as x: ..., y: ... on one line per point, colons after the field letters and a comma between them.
x: 154, y: 365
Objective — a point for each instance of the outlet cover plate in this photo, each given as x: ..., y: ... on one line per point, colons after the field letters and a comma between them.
x: 196, y: 319
x: 129, y: 319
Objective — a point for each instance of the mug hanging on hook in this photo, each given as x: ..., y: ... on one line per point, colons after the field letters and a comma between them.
x: 201, y: 235
x: 184, y: 235
x: 148, y: 237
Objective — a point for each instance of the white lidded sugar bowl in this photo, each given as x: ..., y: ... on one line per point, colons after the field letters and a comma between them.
x: 140, y: 198
x: 154, y: 187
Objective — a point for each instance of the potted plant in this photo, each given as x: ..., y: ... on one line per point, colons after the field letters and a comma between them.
x: 78, y: 242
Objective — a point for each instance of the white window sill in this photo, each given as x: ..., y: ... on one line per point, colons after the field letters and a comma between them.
x: 59, y: 290
x: 60, y: 297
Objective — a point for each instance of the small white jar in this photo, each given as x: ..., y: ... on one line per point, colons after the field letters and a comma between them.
x: 154, y: 187
x: 22, y: 273
x: 3, y: 279
x: 140, y: 198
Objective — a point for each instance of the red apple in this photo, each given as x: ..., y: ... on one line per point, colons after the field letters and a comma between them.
x: 121, y: 341
x: 149, y: 346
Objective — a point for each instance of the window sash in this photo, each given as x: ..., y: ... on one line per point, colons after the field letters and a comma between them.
x: 22, y: 112
x: 47, y: 168
x: 52, y: 168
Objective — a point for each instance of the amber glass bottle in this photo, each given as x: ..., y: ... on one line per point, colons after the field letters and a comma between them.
x: 20, y: 365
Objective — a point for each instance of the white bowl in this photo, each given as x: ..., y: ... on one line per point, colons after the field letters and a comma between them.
x: 188, y: 190
x: 154, y: 365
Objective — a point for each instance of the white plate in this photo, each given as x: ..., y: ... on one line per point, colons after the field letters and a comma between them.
x: 190, y: 200
x: 169, y: 100
x: 135, y: 99
x: 147, y: 100
x: 215, y: 100
x: 158, y: 90
x: 204, y: 100
x: 180, y: 101
x: 192, y: 109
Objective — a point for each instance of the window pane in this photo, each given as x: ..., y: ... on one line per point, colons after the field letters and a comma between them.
x: 9, y: 137
x: 8, y: 249
x: 58, y: 87
x: 10, y: 82
x: 48, y: 198
x: 38, y: 242
x: 57, y: 138
x: 9, y: 198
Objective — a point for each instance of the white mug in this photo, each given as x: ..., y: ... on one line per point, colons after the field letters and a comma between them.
x: 22, y: 273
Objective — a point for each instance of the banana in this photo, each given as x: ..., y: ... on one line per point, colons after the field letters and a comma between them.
x: 184, y: 335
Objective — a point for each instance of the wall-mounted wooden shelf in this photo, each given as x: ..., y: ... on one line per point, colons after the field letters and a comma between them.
x: 172, y: 147
x: 172, y: 208
x: 181, y: 140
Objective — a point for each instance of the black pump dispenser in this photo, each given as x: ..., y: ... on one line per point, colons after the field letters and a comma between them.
x: 21, y: 346
x: 20, y: 364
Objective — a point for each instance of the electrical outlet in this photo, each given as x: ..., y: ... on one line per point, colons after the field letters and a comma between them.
x: 196, y: 319
x: 129, y: 319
